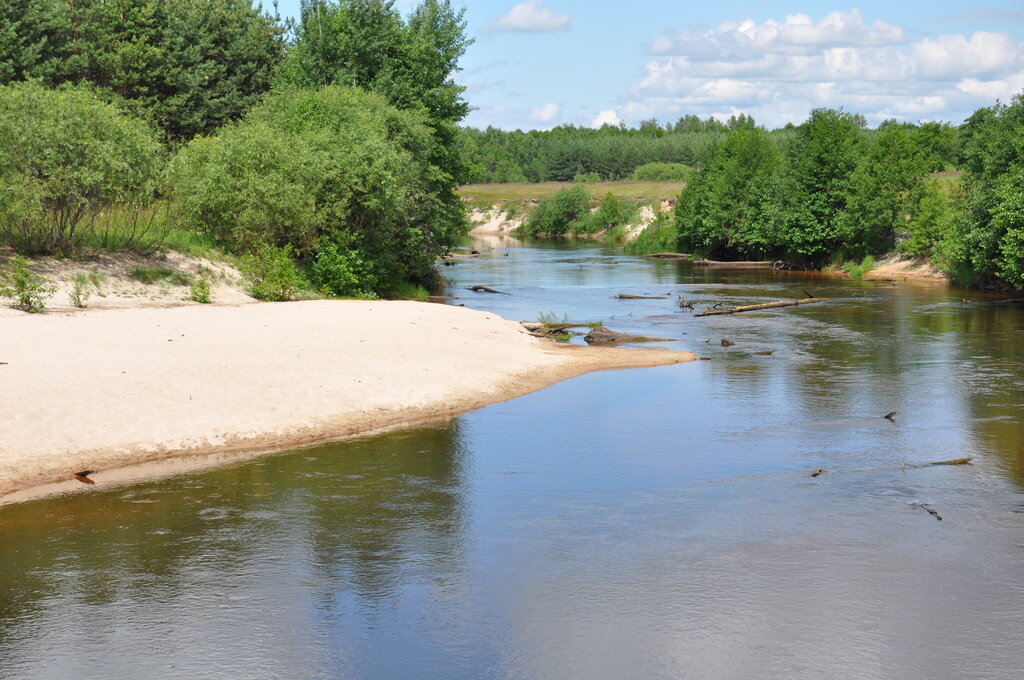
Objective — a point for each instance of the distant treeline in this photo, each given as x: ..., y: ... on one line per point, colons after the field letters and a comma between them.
x: 330, y: 142
x: 615, y: 152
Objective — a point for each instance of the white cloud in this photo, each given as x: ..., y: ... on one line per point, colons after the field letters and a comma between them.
x: 546, y: 113
x: 778, y: 71
x: 531, y: 17
x: 798, y: 34
x: 608, y: 117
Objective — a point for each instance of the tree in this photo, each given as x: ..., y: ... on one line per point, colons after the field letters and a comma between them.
x: 883, y: 190
x: 186, y: 65
x: 337, y: 173
x: 733, y: 206
x: 67, y: 155
x: 828, y: 151
x: 366, y: 44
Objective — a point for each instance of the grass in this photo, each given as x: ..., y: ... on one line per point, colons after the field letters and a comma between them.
x: 857, y: 271
x: 488, y: 194
x: 160, y: 276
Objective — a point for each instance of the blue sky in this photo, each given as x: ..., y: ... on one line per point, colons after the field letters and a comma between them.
x: 540, y: 63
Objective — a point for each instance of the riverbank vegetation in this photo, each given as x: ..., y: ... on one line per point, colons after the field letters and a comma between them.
x: 324, y: 157
x: 828, y: 192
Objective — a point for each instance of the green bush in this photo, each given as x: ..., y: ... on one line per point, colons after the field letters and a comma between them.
x: 611, y: 213
x: 271, y: 273
x: 662, y: 172
x: 930, y: 220
x: 586, y: 178
x: 79, y: 293
x: 335, y: 163
x: 561, y: 213
x: 857, y: 271
x: 66, y: 156
x: 200, y: 290
x: 26, y: 291
x: 339, y: 270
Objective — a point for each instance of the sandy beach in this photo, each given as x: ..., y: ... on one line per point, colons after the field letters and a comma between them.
x: 105, y: 389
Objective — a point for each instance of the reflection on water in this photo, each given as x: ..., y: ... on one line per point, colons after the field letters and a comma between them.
x: 659, y: 523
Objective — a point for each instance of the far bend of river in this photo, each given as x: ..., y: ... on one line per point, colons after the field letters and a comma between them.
x: 655, y: 523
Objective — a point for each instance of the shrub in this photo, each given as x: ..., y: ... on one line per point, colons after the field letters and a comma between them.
x: 612, y: 212
x: 586, y: 178
x: 168, y: 277
x: 79, y: 294
x: 335, y: 163
x: 200, y: 290
x: 662, y: 172
x: 857, y: 271
x: 272, y: 274
x: 66, y: 156
x: 563, y: 212
x: 339, y: 270
x: 27, y: 291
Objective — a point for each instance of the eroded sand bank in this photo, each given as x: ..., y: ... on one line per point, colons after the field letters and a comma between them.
x: 105, y: 389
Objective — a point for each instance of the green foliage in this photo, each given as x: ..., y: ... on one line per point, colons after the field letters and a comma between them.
x: 586, y: 178
x: 185, y: 65
x: 26, y: 291
x: 661, y: 236
x: 249, y: 185
x: 983, y: 241
x: 271, y: 273
x: 565, y: 212
x: 830, y: 147
x: 662, y: 172
x: 410, y: 62
x: 339, y: 270
x: 883, y: 190
x: 67, y: 155
x: 611, y: 213
x: 79, y: 293
x: 857, y: 271
x: 200, y: 290
x: 408, y: 291
x: 931, y: 219
x: 564, y: 152
x: 734, y: 206
x: 336, y: 163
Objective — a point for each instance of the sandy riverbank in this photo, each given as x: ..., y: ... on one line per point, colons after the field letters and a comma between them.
x: 104, y: 389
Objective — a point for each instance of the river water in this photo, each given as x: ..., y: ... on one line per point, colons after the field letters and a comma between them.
x: 654, y: 523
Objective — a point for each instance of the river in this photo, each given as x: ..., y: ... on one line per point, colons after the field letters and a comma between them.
x: 654, y: 523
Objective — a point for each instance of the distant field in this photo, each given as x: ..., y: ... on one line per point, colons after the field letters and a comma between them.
x: 494, y: 193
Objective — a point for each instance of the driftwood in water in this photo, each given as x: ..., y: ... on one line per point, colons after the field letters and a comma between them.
x: 485, y: 289
x: 625, y: 296
x: 955, y: 461
x: 726, y: 342
x: 604, y: 336
x: 765, y: 352
x: 818, y: 472
x: 764, y: 305
x: 669, y: 256
x: 891, y: 416
x: 931, y: 512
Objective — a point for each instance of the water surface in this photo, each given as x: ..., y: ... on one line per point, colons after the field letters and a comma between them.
x: 655, y: 523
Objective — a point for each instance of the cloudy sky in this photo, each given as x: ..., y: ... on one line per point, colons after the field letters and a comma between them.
x: 540, y: 63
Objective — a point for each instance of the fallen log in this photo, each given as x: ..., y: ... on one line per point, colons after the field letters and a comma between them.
x: 485, y: 289
x: 668, y: 256
x: 742, y: 264
x: 765, y: 305
x: 624, y: 296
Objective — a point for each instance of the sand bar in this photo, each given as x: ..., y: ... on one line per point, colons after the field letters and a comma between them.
x: 105, y: 389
